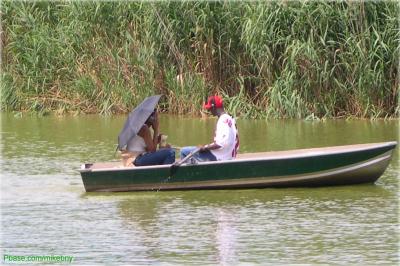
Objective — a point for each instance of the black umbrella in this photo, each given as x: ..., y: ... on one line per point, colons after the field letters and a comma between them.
x: 136, y: 119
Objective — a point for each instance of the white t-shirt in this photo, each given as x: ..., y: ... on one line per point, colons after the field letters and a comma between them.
x: 226, y: 136
x: 136, y: 144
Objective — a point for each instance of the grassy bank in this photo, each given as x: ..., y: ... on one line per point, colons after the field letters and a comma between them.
x: 268, y: 59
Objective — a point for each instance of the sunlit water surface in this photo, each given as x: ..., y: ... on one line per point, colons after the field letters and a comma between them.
x: 45, y: 210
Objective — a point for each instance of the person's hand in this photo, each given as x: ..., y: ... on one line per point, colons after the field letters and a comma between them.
x: 203, y: 148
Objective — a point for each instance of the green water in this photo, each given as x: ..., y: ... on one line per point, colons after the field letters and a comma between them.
x: 45, y: 210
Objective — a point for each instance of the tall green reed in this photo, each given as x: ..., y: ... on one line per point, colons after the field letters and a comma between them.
x: 268, y: 59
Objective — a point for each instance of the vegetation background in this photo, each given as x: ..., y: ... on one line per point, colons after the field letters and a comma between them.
x: 277, y: 59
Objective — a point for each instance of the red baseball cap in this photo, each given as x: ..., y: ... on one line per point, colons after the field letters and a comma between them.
x: 213, y: 101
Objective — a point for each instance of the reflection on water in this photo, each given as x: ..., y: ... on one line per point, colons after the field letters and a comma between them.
x: 271, y: 225
x: 45, y: 210
x: 226, y: 237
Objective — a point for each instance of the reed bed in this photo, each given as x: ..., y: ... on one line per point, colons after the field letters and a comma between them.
x: 277, y: 59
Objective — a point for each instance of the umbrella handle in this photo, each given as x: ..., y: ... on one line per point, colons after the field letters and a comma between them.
x: 116, y: 150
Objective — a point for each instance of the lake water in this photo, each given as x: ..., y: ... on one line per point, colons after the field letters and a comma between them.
x: 45, y: 210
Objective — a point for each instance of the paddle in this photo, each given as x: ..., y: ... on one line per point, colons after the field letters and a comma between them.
x: 175, y: 166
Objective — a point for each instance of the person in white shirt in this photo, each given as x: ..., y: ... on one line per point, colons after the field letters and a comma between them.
x: 226, y: 139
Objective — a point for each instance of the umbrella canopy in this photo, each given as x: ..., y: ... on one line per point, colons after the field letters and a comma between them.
x: 136, y: 119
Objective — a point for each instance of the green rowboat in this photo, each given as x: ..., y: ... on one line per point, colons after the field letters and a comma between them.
x: 339, y: 165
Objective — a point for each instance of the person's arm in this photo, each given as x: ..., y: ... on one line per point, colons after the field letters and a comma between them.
x: 148, y: 138
x: 211, y: 146
x: 155, y: 126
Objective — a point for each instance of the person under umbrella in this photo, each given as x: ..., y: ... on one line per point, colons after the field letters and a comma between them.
x: 144, y: 145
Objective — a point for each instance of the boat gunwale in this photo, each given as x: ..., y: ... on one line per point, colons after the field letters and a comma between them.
x: 299, y: 153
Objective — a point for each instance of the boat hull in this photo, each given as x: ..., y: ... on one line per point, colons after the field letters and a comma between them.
x: 341, y: 165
